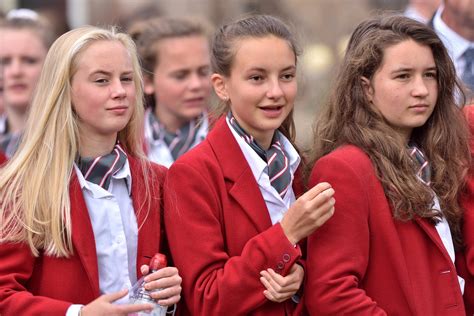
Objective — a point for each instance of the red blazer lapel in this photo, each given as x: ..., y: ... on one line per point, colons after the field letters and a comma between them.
x: 431, y: 231
x: 147, y: 211
x: 241, y: 182
x: 82, y: 234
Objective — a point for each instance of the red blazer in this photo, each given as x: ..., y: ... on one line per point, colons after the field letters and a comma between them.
x: 468, y: 205
x: 220, y: 233
x: 48, y: 285
x: 3, y: 158
x: 363, y: 262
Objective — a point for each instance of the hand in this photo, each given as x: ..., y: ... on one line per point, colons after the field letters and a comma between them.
x: 167, y: 280
x: 103, y: 306
x: 279, y: 288
x: 309, y: 212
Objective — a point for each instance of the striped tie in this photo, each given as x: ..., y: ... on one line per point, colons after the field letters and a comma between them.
x: 101, y: 169
x: 422, y: 164
x: 468, y: 74
x: 178, y: 143
x: 278, y: 163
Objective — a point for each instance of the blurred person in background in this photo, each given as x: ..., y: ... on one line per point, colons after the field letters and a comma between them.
x: 24, y: 40
x: 454, y: 23
x: 176, y: 64
x: 421, y: 10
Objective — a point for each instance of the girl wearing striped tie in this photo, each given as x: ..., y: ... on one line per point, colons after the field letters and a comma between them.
x: 394, y: 145
x: 79, y: 204
x: 234, y: 220
x: 176, y: 63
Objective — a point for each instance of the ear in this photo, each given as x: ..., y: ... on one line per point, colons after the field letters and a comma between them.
x: 368, y: 90
x: 148, y: 86
x: 219, y: 84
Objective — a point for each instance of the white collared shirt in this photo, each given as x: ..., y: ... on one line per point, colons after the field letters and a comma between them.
x: 115, y: 232
x: 277, y: 206
x: 158, y: 151
x: 444, y: 233
x: 455, y: 43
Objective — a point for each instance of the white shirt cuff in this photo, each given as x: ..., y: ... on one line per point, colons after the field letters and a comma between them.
x: 74, y: 310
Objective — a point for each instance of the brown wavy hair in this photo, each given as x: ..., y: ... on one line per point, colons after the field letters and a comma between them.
x: 348, y: 118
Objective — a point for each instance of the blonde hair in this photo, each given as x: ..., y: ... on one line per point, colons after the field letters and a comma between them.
x: 34, y: 185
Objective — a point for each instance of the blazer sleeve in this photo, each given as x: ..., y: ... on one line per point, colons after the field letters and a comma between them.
x: 338, y: 251
x: 16, y: 268
x: 215, y: 283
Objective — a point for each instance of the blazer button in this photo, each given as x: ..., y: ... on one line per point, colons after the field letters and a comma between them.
x: 280, y: 265
x: 286, y: 257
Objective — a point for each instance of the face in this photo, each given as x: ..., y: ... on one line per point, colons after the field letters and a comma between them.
x: 404, y: 89
x: 103, y: 90
x: 463, y: 10
x: 261, y: 87
x: 21, y: 56
x: 181, y: 82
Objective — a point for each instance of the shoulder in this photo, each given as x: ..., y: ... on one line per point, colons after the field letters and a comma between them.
x: 347, y: 158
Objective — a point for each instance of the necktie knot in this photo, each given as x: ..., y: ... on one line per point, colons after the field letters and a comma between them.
x: 423, y: 169
x: 277, y: 161
x: 100, y: 170
x: 468, y: 74
x: 178, y: 143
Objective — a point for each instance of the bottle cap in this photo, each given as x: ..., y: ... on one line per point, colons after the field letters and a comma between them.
x: 158, y: 261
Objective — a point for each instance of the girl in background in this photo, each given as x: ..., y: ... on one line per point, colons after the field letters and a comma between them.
x: 394, y: 145
x: 80, y: 205
x: 176, y: 64
x: 24, y: 40
x: 233, y: 219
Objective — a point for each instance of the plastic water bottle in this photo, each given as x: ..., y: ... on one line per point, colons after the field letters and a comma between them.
x: 139, y: 295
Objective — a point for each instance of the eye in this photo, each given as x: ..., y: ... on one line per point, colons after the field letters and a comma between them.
x: 431, y: 74
x: 204, y: 72
x: 402, y: 76
x: 30, y: 60
x: 288, y: 76
x: 256, y: 78
x: 180, y: 75
x: 101, y: 80
x: 127, y: 79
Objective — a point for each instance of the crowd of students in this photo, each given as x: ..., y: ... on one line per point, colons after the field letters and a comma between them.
x: 376, y: 220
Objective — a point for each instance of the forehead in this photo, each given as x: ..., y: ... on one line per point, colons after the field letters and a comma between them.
x: 263, y: 52
x: 407, y: 53
x: 19, y: 41
x: 104, y: 54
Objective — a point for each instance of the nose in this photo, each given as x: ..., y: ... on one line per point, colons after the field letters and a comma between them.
x: 420, y: 88
x: 14, y: 68
x: 197, y: 82
x: 118, y: 91
x: 274, y: 89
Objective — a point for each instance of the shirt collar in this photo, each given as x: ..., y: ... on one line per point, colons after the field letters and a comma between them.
x: 256, y: 163
x: 96, y: 190
x: 455, y: 43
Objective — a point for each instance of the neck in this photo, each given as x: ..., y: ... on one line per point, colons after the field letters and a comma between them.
x: 95, y: 146
x: 171, y: 122
x: 16, y: 119
x: 456, y: 24
x: 264, y: 141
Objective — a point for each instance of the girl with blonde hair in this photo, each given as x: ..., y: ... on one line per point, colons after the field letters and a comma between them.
x: 80, y: 206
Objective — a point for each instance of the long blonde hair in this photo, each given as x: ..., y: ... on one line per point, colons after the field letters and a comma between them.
x: 34, y: 185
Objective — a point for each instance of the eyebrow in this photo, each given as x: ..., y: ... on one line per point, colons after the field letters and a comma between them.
x: 404, y: 69
x: 292, y: 67
x: 108, y: 73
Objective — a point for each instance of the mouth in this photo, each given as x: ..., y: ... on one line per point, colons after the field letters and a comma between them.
x: 121, y: 109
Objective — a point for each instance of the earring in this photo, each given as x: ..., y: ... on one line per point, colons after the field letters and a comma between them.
x: 226, y: 98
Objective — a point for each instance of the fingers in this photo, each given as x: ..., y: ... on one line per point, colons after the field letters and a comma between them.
x: 112, y: 297
x: 279, y: 288
x: 144, y: 269
x: 126, y: 309
x: 316, y: 190
x: 161, y: 273
x: 168, y: 282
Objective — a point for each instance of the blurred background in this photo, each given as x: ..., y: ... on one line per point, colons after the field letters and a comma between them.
x: 323, y: 28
